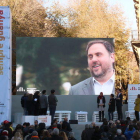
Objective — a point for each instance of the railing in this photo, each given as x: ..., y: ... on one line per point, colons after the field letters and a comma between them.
x: 135, y: 35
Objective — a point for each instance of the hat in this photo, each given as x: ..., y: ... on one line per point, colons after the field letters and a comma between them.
x: 119, y: 131
x: 5, y: 133
x: 5, y: 122
x: 34, y: 133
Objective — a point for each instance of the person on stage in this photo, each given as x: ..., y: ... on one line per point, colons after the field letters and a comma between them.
x: 137, y: 107
x: 30, y: 105
x: 36, y: 98
x: 101, y: 105
x: 52, y: 103
x: 119, y: 103
x: 43, y: 103
x: 111, y: 108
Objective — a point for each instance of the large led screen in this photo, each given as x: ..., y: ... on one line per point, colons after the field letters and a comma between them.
x: 71, y: 66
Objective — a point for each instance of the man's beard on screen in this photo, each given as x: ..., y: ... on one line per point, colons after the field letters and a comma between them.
x: 102, y: 73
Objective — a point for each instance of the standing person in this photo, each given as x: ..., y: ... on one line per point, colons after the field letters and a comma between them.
x: 65, y: 122
x: 24, y: 103
x: 101, y: 105
x: 111, y: 108
x: 43, y: 103
x: 17, y: 136
x: 52, y: 103
x: 137, y: 107
x: 36, y: 99
x: 30, y: 105
x: 119, y: 103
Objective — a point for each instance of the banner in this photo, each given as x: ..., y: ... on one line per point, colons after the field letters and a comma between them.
x: 5, y: 63
x: 133, y: 91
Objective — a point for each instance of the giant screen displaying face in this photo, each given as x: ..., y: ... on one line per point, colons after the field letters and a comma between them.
x: 71, y: 66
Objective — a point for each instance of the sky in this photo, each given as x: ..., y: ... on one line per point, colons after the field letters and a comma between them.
x: 129, y: 11
x: 126, y: 5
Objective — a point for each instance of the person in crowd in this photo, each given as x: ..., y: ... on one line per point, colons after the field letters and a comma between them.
x: 63, y: 135
x: 97, y: 134
x: 90, y: 132
x: 138, y: 126
x: 129, y: 132
x: 52, y: 103
x: 108, y: 133
x: 119, y: 135
x: 111, y: 108
x: 59, y: 125
x: 5, y: 133
x: 136, y: 135
x: 84, y: 132
x: 104, y: 136
x: 71, y: 136
x: 118, y: 124
x: 3, y: 124
x: 36, y: 126
x: 55, y: 135
x: 137, y: 106
x: 123, y: 126
x: 100, y: 55
x: 46, y: 135
x: 67, y: 124
x: 26, y: 129
x: 43, y: 103
x: 29, y: 135
x: 64, y: 129
x: 30, y: 105
x: 11, y: 126
x: 24, y: 103
x: 119, y: 104
x: 134, y: 123
x: 93, y: 125
x: 105, y: 123
x: 40, y: 129
x: 34, y: 136
x: 36, y: 99
x: 17, y: 136
x: 3, y: 137
x: 7, y: 127
x: 113, y: 130
x: 18, y: 128
x: 101, y: 106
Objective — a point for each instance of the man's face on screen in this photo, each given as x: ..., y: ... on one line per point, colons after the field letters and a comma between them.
x: 100, y: 61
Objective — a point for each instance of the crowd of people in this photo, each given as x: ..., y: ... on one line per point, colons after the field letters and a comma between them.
x: 119, y: 130
x: 61, y: 131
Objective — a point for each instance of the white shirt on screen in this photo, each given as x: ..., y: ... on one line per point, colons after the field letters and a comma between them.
x: 106, y: 88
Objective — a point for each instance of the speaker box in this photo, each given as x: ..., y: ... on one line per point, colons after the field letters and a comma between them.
x: 73, y: 121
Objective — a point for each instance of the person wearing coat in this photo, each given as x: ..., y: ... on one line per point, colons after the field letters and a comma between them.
x: 30, y: 105
x: 119, y: 104
x: 43, y: 103
x: 101, y: 105
x: 111, y: 108
x: 36, y: 99
x: 137, y: 107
